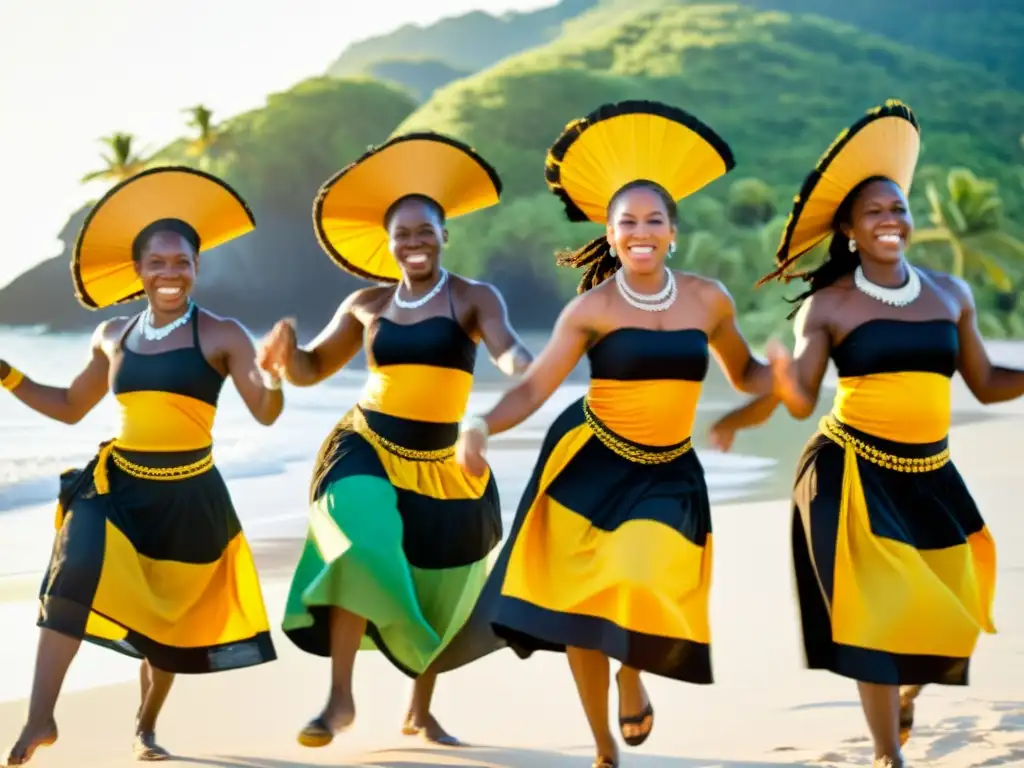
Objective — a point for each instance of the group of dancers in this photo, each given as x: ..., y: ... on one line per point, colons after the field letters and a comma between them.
x: 610, y: 554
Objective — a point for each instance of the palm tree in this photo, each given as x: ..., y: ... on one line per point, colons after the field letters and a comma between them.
x: 967, y: 220
x: 122, y: 161
x: 207, y: 134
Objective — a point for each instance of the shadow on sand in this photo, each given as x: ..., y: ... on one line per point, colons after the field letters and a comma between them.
x: 479, y: 757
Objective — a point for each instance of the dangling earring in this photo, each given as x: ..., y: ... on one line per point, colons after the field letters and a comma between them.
x: 671, y: 248
x: 853, y: 246
x: 612, y: 253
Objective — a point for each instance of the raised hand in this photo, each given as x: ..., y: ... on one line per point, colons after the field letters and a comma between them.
x: 721, y: 436
x: 277, y: 348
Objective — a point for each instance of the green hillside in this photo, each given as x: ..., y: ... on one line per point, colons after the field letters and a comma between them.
x: 777, y: 87
x: 276, y: 157
x: 421, y: 77
x: 985, y: 33
x: 468, y: 42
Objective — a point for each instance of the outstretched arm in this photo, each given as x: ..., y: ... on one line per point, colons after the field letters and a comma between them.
x: 751, y: 414
x: 989, y: 383
x: 798, y: 384
x: 328, y: 353
x: 507, y: 350
x: 564, y: 349
x: 264, y: 400
x: 566, y: 346
x: 744, y: 371
x: 67, y: 404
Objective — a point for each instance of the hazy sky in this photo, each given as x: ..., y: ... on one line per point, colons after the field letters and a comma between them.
x: 74, y: 70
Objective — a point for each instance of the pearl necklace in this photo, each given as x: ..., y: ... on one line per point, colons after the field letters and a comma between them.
x: 399, y: 302
x: 648, y: 302
x: 894, y: 297
x: 156, y: 334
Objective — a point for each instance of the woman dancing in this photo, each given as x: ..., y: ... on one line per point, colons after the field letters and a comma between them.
x: 895, y: 568
x: 149, y: 557
x: 610, y: 555
x: 399, y: 535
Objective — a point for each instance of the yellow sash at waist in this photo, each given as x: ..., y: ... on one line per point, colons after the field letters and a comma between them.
x: 627, y: 449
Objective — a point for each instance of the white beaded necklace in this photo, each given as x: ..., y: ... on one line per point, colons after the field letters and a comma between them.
x: 415, y: 304
x: 156, y: 334
x: 648, y: 302
x: 894, y: 297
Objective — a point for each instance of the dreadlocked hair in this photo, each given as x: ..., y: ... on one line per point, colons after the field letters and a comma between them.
x: 839, y: 261
x: 596, y: 256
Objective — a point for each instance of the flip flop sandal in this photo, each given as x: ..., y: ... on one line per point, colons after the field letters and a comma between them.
x: 647, y: 714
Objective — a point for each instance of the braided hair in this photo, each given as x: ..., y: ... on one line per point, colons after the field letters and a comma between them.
x: 840, y: 260
x: 596, y: 256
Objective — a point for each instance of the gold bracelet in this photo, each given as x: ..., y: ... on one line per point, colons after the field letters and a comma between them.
x: 13, y: 378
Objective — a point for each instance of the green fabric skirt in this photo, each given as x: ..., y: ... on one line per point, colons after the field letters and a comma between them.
x: 403, y: 542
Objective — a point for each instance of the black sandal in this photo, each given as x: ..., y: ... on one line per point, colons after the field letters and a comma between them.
x: 648, y: 712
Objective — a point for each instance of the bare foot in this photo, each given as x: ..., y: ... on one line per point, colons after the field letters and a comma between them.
x: 429, y: 730
x: 32, y: 737
x: 147, y: 750
x: 338, y: 715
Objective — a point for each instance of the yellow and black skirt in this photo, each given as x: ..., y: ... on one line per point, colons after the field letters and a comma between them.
x: 895, y: 568
x: 150, y: 560
x: 611, y: 550
x: 398, y: 534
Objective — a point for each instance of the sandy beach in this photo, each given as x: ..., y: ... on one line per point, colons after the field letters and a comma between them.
x: 765, y: 708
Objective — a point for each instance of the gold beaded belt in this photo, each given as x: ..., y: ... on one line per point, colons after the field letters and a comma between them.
x: 627, y: 449
x: 183, y: 472
x: 109, y: 451
x: 362, y: 427
x: 838, y: 433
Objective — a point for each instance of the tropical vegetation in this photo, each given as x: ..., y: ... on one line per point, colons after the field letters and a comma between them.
x: 777, y: 84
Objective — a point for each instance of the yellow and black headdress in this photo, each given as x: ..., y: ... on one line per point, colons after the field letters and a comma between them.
x: 349, y: 210
x: 618, y: 144
x: 177, y: 198
x: 885, y: 143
